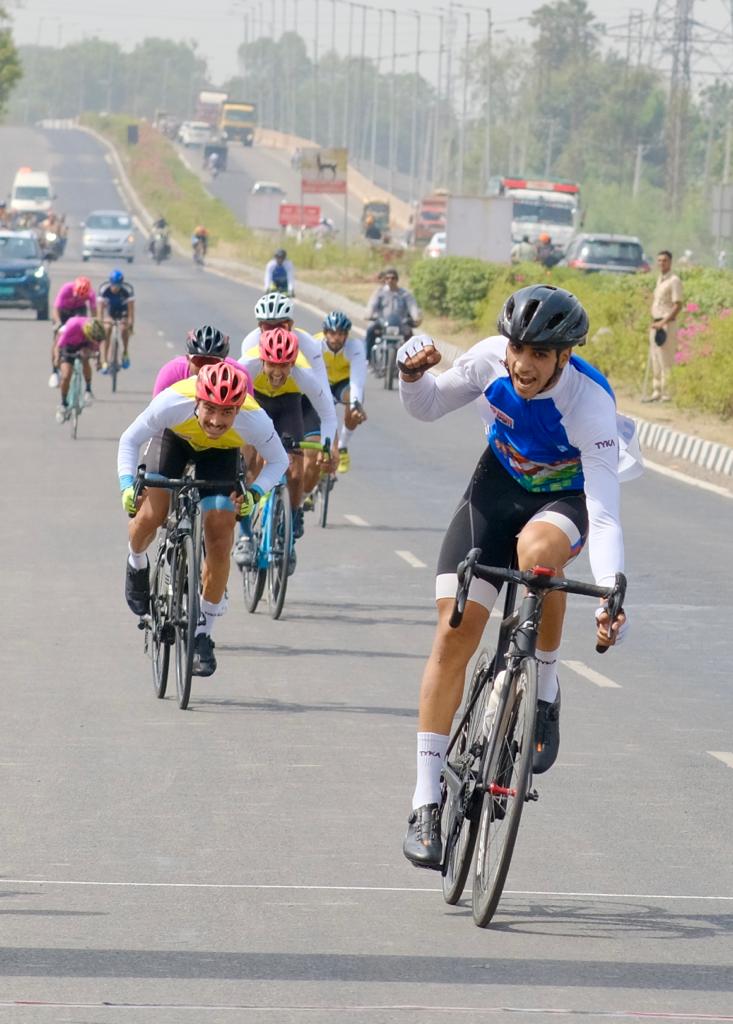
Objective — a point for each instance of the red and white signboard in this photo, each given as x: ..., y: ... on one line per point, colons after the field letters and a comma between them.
x: 292, y: 214
x: 323, y: 170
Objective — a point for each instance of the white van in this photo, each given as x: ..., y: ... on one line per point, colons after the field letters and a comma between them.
x: 31, y: 192
x: 194, y: 133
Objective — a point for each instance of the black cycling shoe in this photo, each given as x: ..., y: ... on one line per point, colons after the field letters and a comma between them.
x: 204, y: 662
x: 137, y: 589
x: 547, y: 735
x: 422, y: 845
x: 298, y: 523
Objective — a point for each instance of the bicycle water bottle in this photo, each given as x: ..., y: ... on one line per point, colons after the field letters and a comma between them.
x: 493, y: 701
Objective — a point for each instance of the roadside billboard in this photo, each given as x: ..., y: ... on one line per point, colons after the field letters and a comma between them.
x: 295, y: 215
x: 323, y: 170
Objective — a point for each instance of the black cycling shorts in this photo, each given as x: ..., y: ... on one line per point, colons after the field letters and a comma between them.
x: 168, y: 454
x: 490, y: 516
x: 68, y: 354
x: 286, y: 413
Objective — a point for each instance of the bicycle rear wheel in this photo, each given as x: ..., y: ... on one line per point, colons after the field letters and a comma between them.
x: 160, y: 631
x: 320, y: 502
x: 281, y: 543
x: 115, y: 362
x: 459, y: 823
x: 390, y: 368
x: 254, y: 578
x: 185, y: 614
x: 506, y: 779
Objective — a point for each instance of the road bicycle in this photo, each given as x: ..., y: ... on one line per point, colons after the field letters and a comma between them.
x: 273, y: 542
x: 487, y: 777
x: 75, y: 395
x: 175, y: 578
x: 198, y: 252
x: 114, y: 353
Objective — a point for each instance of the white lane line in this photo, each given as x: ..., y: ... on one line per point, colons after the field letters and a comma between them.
x: 675, y: 474
x: 591, y: 675
x: 412, y: 560
x: 722, y: 755
x: 355, y: 520
x: 354, y: 888
x: 169, y: 344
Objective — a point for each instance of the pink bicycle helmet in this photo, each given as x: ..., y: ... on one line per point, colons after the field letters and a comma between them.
x: 221, y: 384
x: 82, y: 288
x: 278, y: 346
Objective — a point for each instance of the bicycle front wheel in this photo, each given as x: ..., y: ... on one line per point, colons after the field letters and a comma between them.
x: 254, y: 578
x: 185, y: 614
x: 115, y: 362
x: 460, y: 821
x: 160, y: 630
x: 73, y: 401
x: 391, y: 368
x: 323, y: 492
x: 281, y: 544
x: 505, y: 780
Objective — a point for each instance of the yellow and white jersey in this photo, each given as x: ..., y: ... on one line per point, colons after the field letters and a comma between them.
x: 175, y: 409
x: 349, y: 363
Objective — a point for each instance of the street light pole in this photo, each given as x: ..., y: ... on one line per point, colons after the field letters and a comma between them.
x: 375, y: 98
x: 487, y: 100
x: 332, y: 88
x: 345, y: 140
x: 392, y: 106
x: 314, y: 109
x: 436, y: 119
x: 413, y: 130
x: 464, y: 106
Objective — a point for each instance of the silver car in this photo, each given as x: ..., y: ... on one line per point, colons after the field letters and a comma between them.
x: 108, y: 233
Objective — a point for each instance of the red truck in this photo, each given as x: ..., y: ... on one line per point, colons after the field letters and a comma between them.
x: 430, y: 216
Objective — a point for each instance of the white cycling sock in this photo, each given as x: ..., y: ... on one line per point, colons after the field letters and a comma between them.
x: 210, y: 613
x: 431, y: 748
x: 345, y: 437
x: 137, y: 561
x: 547, y: 684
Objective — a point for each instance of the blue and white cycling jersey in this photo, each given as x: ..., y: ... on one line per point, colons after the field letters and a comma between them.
x: 567, y: 438
x: 116, y: 302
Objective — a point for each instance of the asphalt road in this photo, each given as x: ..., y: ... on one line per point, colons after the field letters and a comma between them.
x: 242, y: 861
x: 246, y: 165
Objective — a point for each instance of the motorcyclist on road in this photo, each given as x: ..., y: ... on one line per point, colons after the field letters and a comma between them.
x: 387, y: 301
x: 280, y: 274
x: 213, y: 164
x: 160, y: 227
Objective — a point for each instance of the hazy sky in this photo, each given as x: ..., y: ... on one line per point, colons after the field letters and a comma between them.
x: 218, y: 25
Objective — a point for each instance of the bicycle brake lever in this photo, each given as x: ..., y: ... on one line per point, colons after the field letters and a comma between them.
x: 614, y: 607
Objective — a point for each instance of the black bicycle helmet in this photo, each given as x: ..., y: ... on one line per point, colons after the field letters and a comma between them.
x: 544, y: 317
x: 207, y: 341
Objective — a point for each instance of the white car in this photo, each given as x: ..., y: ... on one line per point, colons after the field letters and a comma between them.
x: 194, y: 133
x: 108, y: 233
x: 436, y: 245
x: 267, y: 188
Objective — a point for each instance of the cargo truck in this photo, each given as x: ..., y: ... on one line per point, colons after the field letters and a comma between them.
x: 238, y: 121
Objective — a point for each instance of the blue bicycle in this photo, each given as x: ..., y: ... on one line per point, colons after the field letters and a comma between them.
x: 273, y: 543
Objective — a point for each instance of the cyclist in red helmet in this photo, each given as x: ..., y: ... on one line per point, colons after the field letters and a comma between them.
x: 75, y: 298
x: 282, y: 375
x: 203, y: 420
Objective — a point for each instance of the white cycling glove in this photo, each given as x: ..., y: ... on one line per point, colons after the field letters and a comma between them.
x: 623, y: 628
x: 411, y: 348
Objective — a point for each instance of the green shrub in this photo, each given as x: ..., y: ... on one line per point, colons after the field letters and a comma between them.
x: 452, y: 286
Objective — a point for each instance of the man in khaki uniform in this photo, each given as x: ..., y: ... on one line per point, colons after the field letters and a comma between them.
x: 666, y: 305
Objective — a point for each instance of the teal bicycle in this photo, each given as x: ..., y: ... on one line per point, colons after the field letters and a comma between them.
x: 273, y: 542
x: 75, y: 395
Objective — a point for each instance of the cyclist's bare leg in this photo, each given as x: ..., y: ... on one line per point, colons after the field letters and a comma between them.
x: 105, y: 343
x: 125, y: 333
x: 311, y: 470
x: 443, y: 679
x: 64, y: 380
x: 87, y: 370
x: 218, y: 535
x: 544, y: 544
x: 151, y: 515
x: 295, y: 479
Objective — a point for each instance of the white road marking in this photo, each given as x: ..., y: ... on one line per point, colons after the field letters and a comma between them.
x: 169, y: 344
x: 407, y: 556
x: 355, y: 888
x: 675, y: 474
x: 355, y: 520
x: 722, y: 755
x: 591, y: 675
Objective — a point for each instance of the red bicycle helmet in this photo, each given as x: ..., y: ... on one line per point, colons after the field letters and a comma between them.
x: 82, y: 288
x: 278, y: 346
x: 221, y: 384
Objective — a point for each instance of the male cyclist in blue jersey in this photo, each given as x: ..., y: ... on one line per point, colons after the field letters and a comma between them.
x: 547, y: 481
x: 117, y: 303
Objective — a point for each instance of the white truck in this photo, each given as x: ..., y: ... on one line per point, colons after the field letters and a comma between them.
x: 541, y: 207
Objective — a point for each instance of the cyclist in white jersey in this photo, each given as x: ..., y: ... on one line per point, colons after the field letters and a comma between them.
x: 548, y: 479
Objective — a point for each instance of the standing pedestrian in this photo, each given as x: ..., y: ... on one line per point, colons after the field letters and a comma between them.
x: 666, y: 306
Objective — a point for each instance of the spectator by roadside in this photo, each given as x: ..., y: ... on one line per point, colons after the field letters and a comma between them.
x: 666, y: 306
x: 524, y: 251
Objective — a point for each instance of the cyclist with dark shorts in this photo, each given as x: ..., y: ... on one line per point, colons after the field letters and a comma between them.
x: 117, y: 304
x: 547, y: 481
x: 74, y: 298
x: 203, y: 420
x: 80, y: 336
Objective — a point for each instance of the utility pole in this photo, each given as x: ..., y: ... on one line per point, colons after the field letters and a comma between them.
x: 679, y: 99
x: 464, y: 106
x: 638, y: 164
x: 486, y: 165
x: 345, y: 140
x: 332, y: 89
x: 435, y: 165
x: 375, y: 99
x: 314, y: 107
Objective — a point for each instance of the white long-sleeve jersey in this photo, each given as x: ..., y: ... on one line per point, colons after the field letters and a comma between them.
x: 566, y: 438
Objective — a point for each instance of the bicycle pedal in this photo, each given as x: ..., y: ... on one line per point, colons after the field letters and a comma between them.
x: 532, y: 794
x: 143, y: 622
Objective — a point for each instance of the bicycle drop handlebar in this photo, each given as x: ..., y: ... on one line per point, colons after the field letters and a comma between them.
x: 306, y: 446
x: 535, y: 579
x: 186, y: 483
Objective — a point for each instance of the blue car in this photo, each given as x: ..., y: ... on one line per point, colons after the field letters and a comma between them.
x: 24, y: 282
